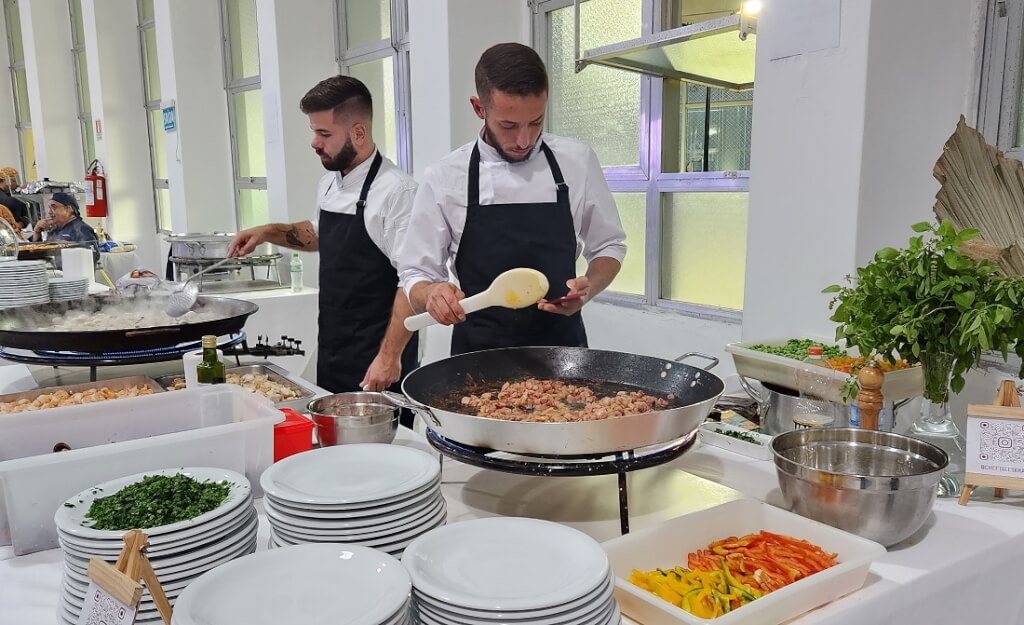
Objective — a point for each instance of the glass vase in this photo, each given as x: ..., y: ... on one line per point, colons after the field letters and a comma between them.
x: 935, y: 425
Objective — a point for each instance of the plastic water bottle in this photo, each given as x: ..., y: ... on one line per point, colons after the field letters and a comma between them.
x: 814, y: 379
x: 296, y: 272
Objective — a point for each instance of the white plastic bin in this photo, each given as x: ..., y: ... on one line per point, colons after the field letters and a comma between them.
x: 219, y: 426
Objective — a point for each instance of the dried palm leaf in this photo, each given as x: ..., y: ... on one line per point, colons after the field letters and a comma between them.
x: 983, y: 189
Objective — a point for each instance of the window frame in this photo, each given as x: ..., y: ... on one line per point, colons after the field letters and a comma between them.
x: 648, y: 177
x: 149, y: 106
x: 999, y: 74
x: 14, y: 67
x: 397, y: 47
x: 233, y: 87
x: 84, y: 113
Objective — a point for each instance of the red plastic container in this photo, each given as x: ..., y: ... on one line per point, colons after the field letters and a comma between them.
x: 293, y: 435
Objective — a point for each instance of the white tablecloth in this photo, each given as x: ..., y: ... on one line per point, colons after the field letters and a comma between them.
x: 962, y: 568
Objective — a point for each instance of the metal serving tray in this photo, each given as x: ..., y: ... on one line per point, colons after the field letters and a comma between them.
x: 307, y: 392
x: 756, y: 365
x: 115, y: 384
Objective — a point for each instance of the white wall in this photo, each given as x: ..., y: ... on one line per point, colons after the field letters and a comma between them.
x: 915, y: 95
x: 46, y: 33
x: 201, y: 179
x: 115, y: 86
x: 10, y: 156
x: 446, y: 38
x: 296, y: 52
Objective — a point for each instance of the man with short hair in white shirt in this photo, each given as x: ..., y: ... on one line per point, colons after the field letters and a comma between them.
x: 363, y: 207
x: 513, y: 198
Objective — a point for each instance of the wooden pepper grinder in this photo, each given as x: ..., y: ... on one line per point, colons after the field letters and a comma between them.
x: 869, y: 399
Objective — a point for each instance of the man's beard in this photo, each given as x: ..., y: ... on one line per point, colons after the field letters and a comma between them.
x: 494, y: 143
x: 340, y: 161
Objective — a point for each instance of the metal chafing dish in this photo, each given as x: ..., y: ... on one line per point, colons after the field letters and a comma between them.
x: 307, y: 392
x: 115, y: 384
x: 190, y: 253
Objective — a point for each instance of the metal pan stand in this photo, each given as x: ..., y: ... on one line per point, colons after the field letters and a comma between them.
x: 568, y: 466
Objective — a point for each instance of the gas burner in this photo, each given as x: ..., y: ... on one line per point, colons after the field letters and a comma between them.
x: 285, y: 347
x: 620, y: 462
x: 112, y: 359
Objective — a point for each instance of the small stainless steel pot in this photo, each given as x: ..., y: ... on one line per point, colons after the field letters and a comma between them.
x: 357, y: 417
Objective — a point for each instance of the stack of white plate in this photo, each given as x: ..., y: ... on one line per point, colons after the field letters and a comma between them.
x: 23, y: 283
x: 308, y: 584
x: 64, y: 289
x: 380, y: 496
x: 179, y: 552
x: 510, y: 570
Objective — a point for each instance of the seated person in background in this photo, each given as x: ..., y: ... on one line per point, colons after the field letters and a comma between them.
x: 5, y: 214
x: 14, y: 206
x: 64, y: 223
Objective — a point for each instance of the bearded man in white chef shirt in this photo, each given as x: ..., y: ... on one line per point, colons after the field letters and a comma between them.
x: 515, y: 197
x: 363, y: 206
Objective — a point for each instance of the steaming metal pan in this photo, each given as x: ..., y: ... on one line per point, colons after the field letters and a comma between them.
x: 19, y: 327
x: 434, y: 391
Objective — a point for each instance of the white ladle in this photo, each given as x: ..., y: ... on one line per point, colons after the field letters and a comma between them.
x: 516, y: 288
x: 182, y: 300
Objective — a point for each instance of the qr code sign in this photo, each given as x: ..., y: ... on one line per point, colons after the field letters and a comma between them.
x: 102, y: 609
x: 1001, y: 441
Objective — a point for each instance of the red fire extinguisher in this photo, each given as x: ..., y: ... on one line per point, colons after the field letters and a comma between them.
x: 95, y: 191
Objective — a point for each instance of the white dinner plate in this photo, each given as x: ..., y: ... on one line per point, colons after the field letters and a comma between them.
x: 385, y: 538
x: 404, y: 506
x: 349, y: 474
x: 176, y: 553
x: 602, y: 595
x: 201, y: 559
x: 364, y: 508
x: 310, y: 584
x: 71, y: 519
x: 594, y: 615
x: 341, y: 528
x: 506, y: 563
x: 172, y: 542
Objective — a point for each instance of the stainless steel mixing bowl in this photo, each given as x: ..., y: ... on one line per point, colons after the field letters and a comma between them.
x: 878, y: 485
x: 354, y: 418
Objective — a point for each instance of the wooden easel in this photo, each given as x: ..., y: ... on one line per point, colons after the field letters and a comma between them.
x: 1006, y: 396
x: 122, y: 580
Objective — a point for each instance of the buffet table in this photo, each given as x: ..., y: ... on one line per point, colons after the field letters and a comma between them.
x: 962, y: 567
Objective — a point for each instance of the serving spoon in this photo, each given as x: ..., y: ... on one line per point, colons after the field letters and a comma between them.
x: 182, y: 300
x: 516, y: 288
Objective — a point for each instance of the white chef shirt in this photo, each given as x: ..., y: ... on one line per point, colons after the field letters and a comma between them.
x: 388, y: 204
x: 439, y: 211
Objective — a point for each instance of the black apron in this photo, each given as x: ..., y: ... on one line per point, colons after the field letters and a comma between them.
x: 358, y: 284
x: 499, y: 237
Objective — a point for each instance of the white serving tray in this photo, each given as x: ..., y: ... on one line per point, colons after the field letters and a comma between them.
x: 755, y: 365
x: 709, y: 436
x: 667, y: 544
x: 221, y: 426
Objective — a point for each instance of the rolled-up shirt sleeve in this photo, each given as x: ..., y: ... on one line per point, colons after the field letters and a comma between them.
x: 600, y: 226
x: 425, y: 249
x: 395, y: 223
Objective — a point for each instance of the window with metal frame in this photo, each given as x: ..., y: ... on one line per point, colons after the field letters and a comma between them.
x: 81, y: 71
x: 154, y: 117
x: 245, y: 111
x: 373, y: 45
x: 1001, y: 88
x: 22, y: 116
x: 676, y: 155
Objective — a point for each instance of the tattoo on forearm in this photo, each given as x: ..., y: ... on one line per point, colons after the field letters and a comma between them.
x: 292, y: 237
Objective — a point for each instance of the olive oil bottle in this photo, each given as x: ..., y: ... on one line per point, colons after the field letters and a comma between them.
x: 210, y: 370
